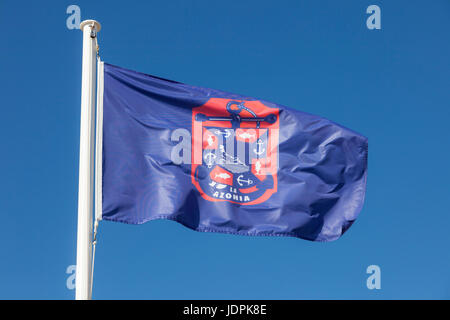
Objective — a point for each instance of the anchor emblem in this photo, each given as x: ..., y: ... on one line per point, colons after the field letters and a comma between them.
x: 234, y: 108
x: 209, y: 159
x: 226, y: 134
x: 259, y: 151
x: 242, y: 181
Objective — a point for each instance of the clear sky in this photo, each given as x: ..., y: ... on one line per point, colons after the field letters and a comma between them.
x: 392, y: 85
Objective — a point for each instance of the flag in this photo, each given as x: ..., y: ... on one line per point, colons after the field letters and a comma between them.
x: 221, y: 162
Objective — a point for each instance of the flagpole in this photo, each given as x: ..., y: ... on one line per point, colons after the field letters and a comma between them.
x: 86, y: 165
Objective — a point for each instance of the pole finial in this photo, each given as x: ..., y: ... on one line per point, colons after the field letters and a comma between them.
x: 95, y: 23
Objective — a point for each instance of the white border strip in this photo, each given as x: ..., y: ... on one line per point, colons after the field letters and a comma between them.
x: 99, y: 144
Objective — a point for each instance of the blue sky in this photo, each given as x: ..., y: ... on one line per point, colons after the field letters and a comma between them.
x: 392, y: 85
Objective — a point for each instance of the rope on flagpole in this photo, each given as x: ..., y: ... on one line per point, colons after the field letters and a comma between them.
x: 96, y: 220
x: 94, y: 245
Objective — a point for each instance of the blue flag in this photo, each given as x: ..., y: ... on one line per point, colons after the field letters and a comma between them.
x: 221, y: 162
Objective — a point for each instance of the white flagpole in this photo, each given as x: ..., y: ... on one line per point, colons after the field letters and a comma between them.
x: 86, y: 170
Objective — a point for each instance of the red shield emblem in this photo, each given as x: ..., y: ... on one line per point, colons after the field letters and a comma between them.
x: 235, y: 150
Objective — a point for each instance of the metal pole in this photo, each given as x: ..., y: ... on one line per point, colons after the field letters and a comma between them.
x: 86, y: 170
